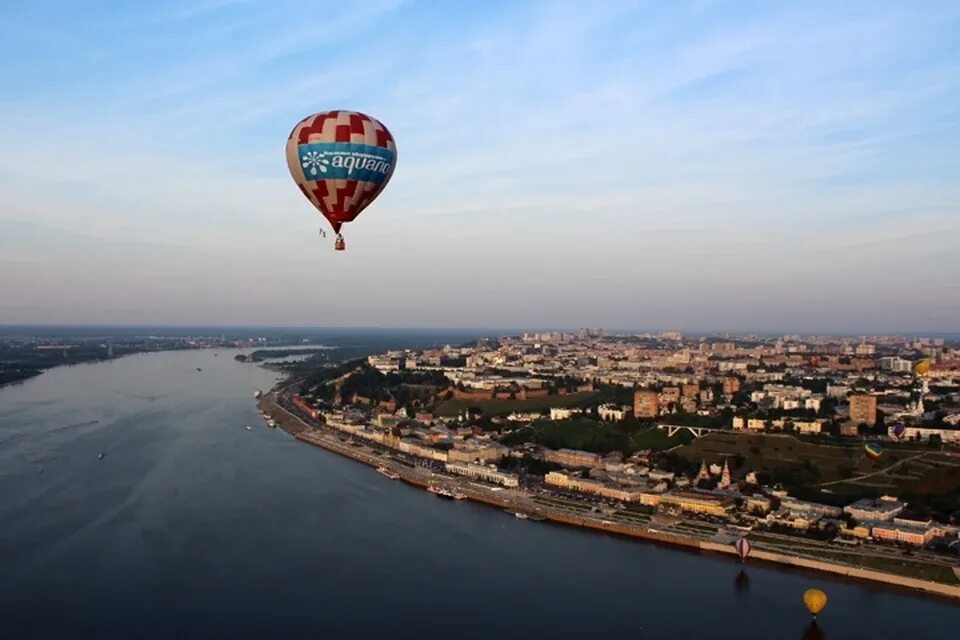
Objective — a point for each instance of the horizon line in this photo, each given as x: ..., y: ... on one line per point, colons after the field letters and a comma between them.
x: 509, y: 330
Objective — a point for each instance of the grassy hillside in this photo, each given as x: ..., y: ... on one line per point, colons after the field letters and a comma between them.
x: 598, y: 437
x: 502, y: 407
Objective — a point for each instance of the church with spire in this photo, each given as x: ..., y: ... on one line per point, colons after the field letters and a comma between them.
x: 707, y: 473
x: 704, y: 472
x: 725, y: 480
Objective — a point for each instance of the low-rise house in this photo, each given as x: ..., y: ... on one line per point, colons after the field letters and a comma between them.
x: 756, y: 503
x: 572, y: 458
x: 593, y: 487
x: 880, y: 509
x: 659, y: 475
x: 524, y: 416
x: 860, y: 531
x: 473, y: 451
x: 812, y: 427
x: 415, y: 447
x: 611, y: 413
x: 907, y: 531
x: 306, y: 407
x: 485, y: 472
x: 850, y: 429
x: 699, y: 502
x: 812, y: 511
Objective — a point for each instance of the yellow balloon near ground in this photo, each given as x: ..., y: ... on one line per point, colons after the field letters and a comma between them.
x: 815, y: 600
x: 922, y: 368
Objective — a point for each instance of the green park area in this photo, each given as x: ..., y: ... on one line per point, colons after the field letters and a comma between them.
x: 764, y: 452
x: 889, y: 560
x: 837, y: 473
x: 598, y: 437
x: 905, y: 567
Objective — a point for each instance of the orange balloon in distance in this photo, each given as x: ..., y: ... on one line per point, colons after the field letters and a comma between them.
x: 341, y: 160
x: 814, y: 600
x: 922, y: 368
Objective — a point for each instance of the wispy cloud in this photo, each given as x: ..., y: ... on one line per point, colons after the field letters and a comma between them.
x: 708, y: 155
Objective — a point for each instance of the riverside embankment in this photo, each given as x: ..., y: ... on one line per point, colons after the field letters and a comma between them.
x: 513, y: 500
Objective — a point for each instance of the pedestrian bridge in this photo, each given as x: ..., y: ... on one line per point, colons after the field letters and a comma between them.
x: 697, y: 432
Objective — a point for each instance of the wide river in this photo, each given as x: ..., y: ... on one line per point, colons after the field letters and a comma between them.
x: 191, y: 526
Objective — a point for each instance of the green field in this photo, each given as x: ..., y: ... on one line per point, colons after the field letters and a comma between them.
x: 769, y: 452
x: 598, y: 437
x: 906, y: 567
x: 453, y: 407
x: 657, y: 440
x: 862, y: 557
x: 843, y: 473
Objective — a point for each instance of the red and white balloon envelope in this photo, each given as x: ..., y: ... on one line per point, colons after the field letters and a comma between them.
x: 341, y: 160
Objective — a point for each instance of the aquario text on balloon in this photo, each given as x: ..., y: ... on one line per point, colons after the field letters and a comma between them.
x: 341, y: 160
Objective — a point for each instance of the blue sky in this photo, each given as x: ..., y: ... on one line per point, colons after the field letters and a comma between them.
x: 698, y: 165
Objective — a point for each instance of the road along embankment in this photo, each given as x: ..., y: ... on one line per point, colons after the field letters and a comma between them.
x: 511, y: 500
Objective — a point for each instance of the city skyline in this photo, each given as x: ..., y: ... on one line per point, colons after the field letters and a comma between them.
x: 772, y: 168
x: 59, y: 330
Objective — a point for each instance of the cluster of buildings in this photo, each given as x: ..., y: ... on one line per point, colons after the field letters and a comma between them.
x: 420, y: 437
x: 463, y: 451
x: 812, y: 385
x: 808, y: 386
x: 679, y: 500
x: 881, y: 519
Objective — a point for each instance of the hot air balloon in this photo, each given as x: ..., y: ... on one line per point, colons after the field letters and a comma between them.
x: 341, y: 160
x: 922, y: 367
x: 815, y: 601
x: 872, y: 450
x: 743, y: 547
x: 898, y: 430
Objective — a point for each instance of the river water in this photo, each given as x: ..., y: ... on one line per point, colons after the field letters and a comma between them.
x: 192, y: 527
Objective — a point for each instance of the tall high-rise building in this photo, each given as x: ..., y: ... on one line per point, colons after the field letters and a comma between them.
x: 645, y: 404
x: 863, y: 409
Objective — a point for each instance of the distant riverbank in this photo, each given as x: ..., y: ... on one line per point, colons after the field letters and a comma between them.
x: 22, y: 361
x: 515, y: 501
x: 16, y: 370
